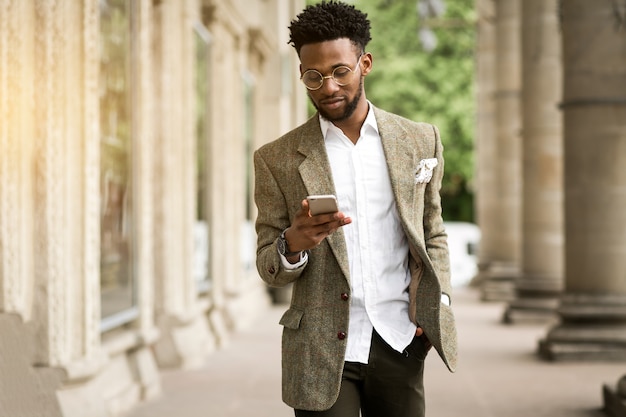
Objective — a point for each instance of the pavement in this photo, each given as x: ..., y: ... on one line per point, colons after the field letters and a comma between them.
x: 499, y: 374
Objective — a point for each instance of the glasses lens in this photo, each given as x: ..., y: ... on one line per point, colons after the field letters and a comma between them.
x: 312, y: 79
x: 342, y: 75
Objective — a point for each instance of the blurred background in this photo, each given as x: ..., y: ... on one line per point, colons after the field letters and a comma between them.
x: 127, y: 127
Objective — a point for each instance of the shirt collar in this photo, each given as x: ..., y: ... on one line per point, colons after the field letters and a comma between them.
x: 368, y: 123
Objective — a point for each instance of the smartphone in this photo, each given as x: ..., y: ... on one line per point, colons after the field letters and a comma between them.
x: 321, y: 204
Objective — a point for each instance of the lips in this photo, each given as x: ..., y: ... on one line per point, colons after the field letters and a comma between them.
x: 332, y: 103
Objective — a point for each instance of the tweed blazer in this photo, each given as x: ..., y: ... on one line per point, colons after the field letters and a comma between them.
x: 296, y: 165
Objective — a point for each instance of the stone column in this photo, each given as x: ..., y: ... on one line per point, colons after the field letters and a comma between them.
x: 486, y: 200
x: 506, y: 221
x: 185, y: 339
x: 542, y: 229
x: 26, y: 389
x: 593, y: 307
x: 65, y: 303
x: 16, y: 148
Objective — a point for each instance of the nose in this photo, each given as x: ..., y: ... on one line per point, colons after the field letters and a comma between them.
x: 329, y: 84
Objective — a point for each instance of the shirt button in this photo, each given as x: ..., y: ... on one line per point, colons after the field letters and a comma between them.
x: 345, y: 296
x: 341, y: 335
x: 271, y: 270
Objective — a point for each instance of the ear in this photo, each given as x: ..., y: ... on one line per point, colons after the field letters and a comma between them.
x: 366, y: 63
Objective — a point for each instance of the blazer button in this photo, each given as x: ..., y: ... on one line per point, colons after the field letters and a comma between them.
x: 341, y: 335
x: 271, y: 270
x: 345, y: 296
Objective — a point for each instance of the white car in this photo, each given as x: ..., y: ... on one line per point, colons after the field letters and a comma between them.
x: 463, y: 240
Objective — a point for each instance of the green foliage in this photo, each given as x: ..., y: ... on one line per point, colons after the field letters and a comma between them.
x: 435, y: 86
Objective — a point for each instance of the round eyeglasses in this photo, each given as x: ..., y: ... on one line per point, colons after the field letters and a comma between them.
x: 343, y: 75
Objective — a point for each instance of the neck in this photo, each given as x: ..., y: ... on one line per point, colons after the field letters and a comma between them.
x: 351, y: 127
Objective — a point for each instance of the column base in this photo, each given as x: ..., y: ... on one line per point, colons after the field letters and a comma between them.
x: 130, y: 377
x: 531, y: 309
x: 184, y: 343
x: 562, y: 350
x: 593, y: 327
x: 615, y: 399
x: 537, y: 299
x: 26, y: 389
x: 497, y: 282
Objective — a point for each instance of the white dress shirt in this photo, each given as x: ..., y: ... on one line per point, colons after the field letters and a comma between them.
x: 377, y: 246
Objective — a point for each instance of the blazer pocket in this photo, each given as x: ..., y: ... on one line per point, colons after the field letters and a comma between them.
x: 292, y: 318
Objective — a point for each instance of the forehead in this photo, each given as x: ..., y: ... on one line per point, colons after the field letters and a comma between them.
x: 327, y: 54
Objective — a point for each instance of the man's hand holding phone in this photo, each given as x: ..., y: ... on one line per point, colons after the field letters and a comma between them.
x: 318, y: 217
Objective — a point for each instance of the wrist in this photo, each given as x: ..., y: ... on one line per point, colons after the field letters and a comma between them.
x: 295, y: 258
x: 284, y: 249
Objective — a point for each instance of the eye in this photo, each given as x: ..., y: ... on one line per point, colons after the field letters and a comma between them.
x: 341, y: 72
x: 311, y: 76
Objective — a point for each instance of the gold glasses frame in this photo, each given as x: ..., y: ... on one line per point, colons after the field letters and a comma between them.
x: 333, y: 75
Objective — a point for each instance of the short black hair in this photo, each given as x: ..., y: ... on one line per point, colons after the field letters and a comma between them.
x: 328, y: 21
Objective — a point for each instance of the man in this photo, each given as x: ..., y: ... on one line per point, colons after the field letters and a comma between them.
x: 371, y: 282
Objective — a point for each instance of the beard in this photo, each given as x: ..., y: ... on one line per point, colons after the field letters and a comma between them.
x: 349, y: 110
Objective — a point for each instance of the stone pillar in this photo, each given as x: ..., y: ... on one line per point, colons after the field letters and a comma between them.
x: 185, y: 332
x: 506, y: 240
x: 16, y: 148
x: 486, y: 200
x: 593, y: 307
x: 542, y: 217
x: 25, y: 389
x: 65, y: 304
x: 141, y: 358
x: 237, y: 292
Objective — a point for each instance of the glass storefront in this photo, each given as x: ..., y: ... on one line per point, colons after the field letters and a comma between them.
x: 117, y: 278
x: 201, y: 256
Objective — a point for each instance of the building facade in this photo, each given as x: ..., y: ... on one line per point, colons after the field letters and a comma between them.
x: 126, y: 216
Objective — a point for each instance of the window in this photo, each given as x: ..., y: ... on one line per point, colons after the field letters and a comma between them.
x: 201, y: 256
x: 117, y: 278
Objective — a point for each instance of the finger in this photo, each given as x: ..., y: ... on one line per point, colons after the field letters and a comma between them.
x: 304, y: 208
x: 327, y: 229
x: 331, y: 220
x: 322, y: 219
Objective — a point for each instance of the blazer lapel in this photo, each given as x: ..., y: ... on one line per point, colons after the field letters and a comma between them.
x: 315, y: 169
x: 316, y: 174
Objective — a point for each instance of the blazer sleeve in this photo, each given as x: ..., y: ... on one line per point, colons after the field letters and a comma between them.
x: 272, y: 219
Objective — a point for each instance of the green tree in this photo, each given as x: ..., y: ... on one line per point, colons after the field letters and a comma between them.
x: 434, y: 86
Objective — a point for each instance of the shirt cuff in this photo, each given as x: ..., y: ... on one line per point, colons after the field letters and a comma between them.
x: 304, y: 257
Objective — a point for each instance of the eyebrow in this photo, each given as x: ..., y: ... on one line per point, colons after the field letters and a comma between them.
x: 332, y: 67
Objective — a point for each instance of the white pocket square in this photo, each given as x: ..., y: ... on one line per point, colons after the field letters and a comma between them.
x: 424, y: 171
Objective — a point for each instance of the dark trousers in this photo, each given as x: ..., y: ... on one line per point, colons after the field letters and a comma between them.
x: 390, y: 385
